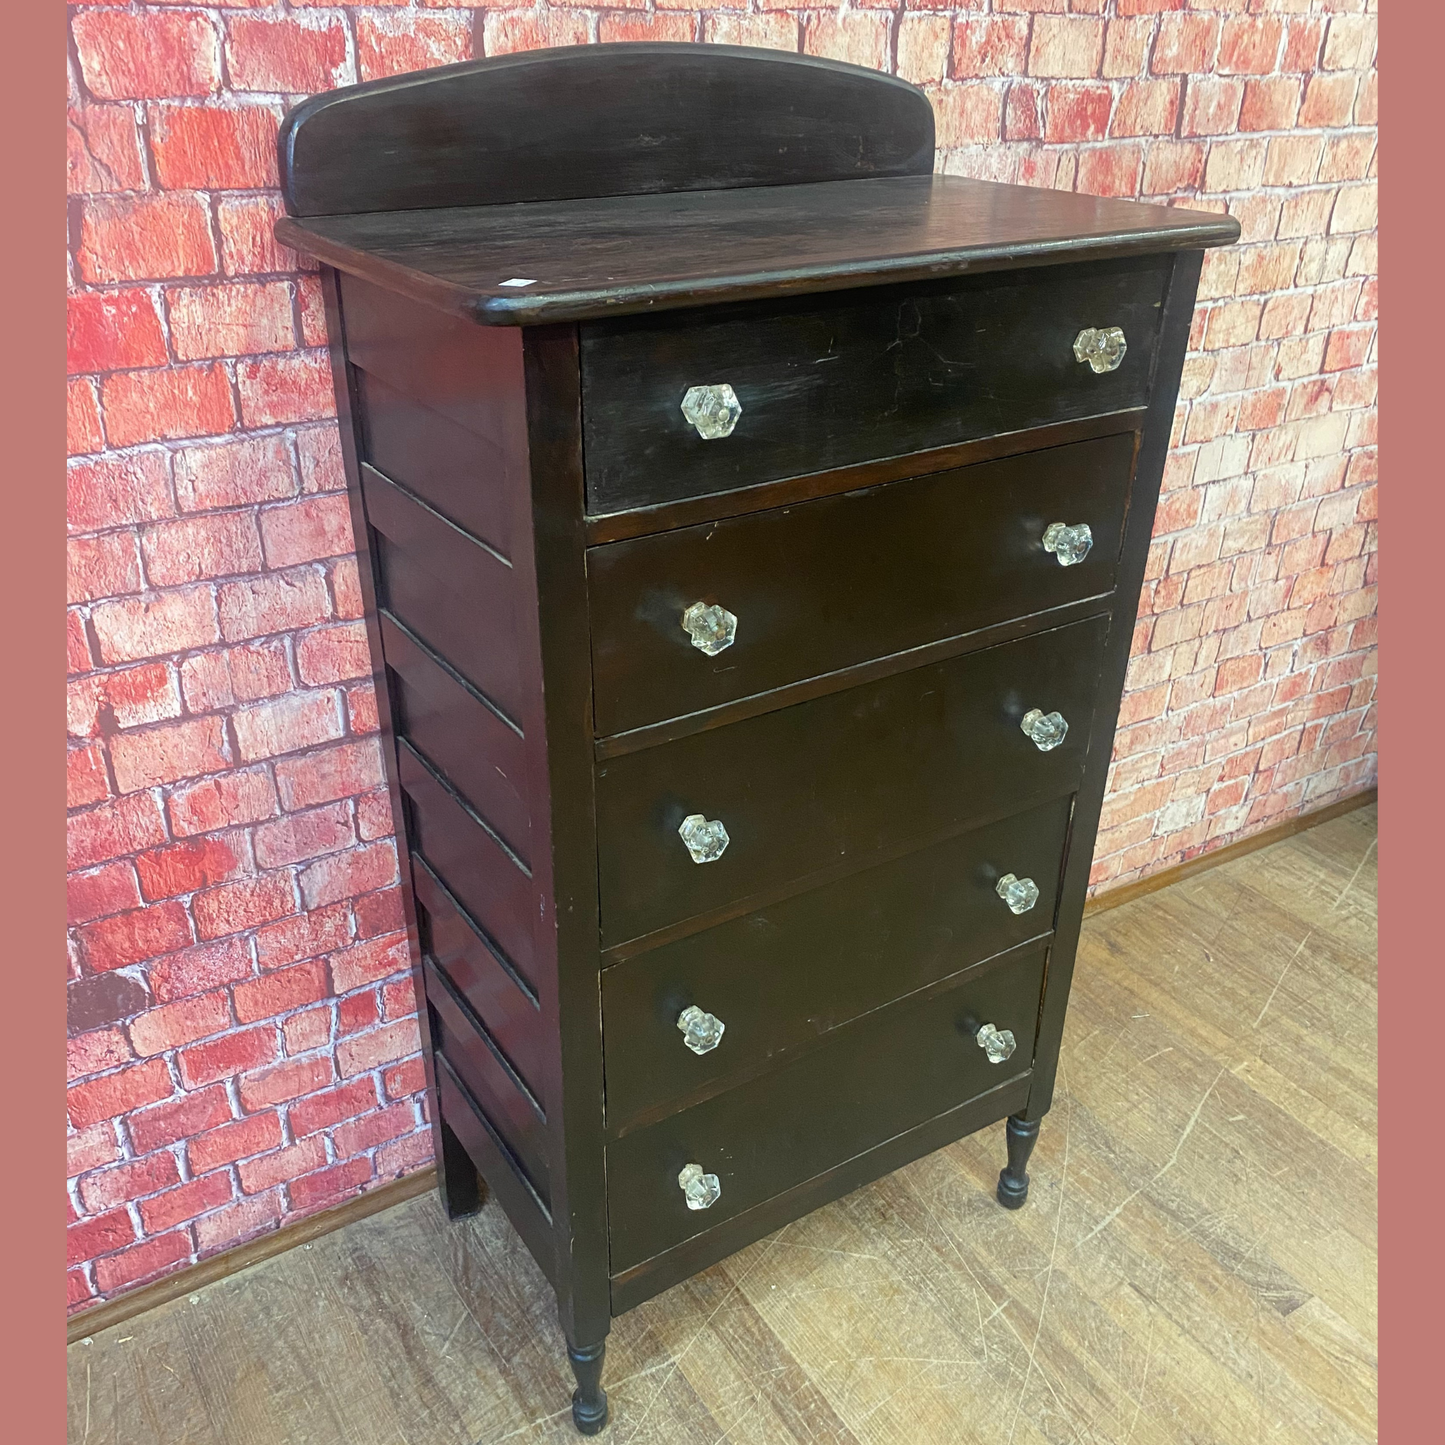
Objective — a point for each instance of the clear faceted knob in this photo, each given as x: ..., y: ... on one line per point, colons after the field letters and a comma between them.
x: 700, y: 1190
x: 1019, y: 893
x: 711, y: 628
x: 998, y: 1044
x: 713, y: 410
x: 1046, y: 730
x: 1068, y: 544
x: 1103, y: 348
x: 701, y: 1032
x: 706, y: 839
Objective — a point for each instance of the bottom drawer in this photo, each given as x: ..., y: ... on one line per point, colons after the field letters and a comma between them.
x: 868, y: 1081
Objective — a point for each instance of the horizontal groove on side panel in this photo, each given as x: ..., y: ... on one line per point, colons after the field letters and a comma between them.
x: 469, y: 744
x: 444, y: 782
x: 478, y: 871
x: 377, y: 484
x: 530, y: 1214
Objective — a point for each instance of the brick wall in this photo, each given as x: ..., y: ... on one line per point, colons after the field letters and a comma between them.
x: 244, y: 1047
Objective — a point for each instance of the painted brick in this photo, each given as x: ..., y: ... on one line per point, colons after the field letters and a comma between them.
x: 205, y: 148
x: 187, y: 866
x: 130, y: 56
x: 143, y: 238
x: 112, y: 330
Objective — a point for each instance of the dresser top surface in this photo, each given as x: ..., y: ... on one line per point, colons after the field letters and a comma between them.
x: 594, y: 257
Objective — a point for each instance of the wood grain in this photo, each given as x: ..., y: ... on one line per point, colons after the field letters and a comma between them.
x: 1196, y: 1260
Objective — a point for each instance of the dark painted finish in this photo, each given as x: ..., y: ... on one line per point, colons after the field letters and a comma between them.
x: 831, y: 583
x: 783, y: 976
x: 870, y: 1080
x: 619, y: 255
x: 599, y: 120
x: 915, y: 756
x: 866, y: 758
x: 1013, y: 1180
x: 829, y: 382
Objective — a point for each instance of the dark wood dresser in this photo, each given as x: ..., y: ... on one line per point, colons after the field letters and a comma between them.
x: 755, y: 524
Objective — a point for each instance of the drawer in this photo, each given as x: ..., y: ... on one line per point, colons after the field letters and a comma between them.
x: 838, y: 581
x: 836, y: 380
x: 786, y: 974
x: 870, y: 1080
x: 840, y: 780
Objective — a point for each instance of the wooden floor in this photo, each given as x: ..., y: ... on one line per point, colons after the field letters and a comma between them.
x: 1196, y: 1263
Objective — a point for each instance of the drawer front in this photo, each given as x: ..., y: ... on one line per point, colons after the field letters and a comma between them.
x: 868, y: 1081
x: 842, y: 778
x: 845, y: 579
x: 829, y: 382
x: 783, y: 975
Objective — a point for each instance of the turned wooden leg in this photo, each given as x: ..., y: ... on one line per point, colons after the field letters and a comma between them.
x: 1013, y: 1181
x: 457, y: 1178
x: 589, y: 1399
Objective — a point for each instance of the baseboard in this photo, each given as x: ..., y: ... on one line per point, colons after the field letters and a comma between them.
x: 231, y: 1261
x: 1113, y: 897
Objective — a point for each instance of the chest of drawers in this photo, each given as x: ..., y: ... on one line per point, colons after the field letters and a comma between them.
x: 752, y: 525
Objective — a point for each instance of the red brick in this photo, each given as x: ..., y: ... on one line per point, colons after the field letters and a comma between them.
x: 1077, y: 112
x: 361, y: 711
x: 1022, y: 112
x: 373, y: 815
x: 398, y: 998
x: 132, y: 1180
x: 248, y: 244
x: 309, y: 530
x: 405, y: 1155
x: 1303, y: 44
x: 168, y: 752
x: 1111, y: 170
x: 114, y: 829
x: 990, y: 46
x: 382, y: 1046
x: 1147, y: 107
x: 311, y: 309
x: 82, y: 417
x: 200, y: 548
x: 236, y: 906
x: 300, y: 836
x: 287, y: 725
x: 368, y: 962
x: 116, y: 491
x: 923, y: 45
x: 94, y: 895
x: 322, y: 1111
x: 200, y: 969
x: 88, y: 1148
x: 829, y: 39
x: 240, y: 1139
x: 112, y: 330
x: 1270, y: 104
x: 272, y: 1169
x: 282, y: 389
x: 85, y: 776
x: 307, y: 935
x: 1329, y: 100
x: 185, y: 867
x: 394, y: 44
x: 177, y: 1206
x: 102, y: 150
x: 168, y: 1123
x: 1066, y: 46
x: 95, y: 1052
x: 280, y: 993
x: 339, y: 772
x: 366, y: 1133
x: 1173, y: 166
x: 106, y: 702
x: 230, y: 675
x: 127, y: 56
x: 233, y: 473
x: 143, y: 1261
x: 347, y: 875
x: 287, y: 1080
x: 116, y: 1094
x: 173, y: 1025
x: 182, y: 401
x: 144, y: 238
x: 510, y: 31
x: 98, y: 1235
x: 403, y: 1080
x: 106, y: 566
x: 128, y: 938
x: 1248, y: 45
x: 1185, y: 45
x: 296, y: 54
x: 237, y: 1222
x: 308, y: 1030
x: 357, y: 1012
x: 276, y: 602
x: 239, y: 319
x: 346, y: 585
x: 226, y: 1057
x: 319, y: 450
x: 333, y: 654
x: 235, y: 798
x: 1211, y: 107
x: 206, y: 148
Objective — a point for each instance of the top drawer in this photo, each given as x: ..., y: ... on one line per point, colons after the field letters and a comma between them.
x: 833, y: 381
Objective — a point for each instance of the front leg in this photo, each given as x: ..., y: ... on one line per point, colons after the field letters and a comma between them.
x: 589, y: 1399
x: 1013, y: 1181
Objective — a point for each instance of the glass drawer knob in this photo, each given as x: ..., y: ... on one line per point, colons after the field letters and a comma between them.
x: 1068, y: 544
x: 1019, y: 893
x: 706, y: 839
x: 702, y: 1190
x: 713, y: 410
x: 1046, y: 730
x: 1102, y: 347
x: 702, y: 1032
x: 712, y: 628
x: 998, y: 1044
